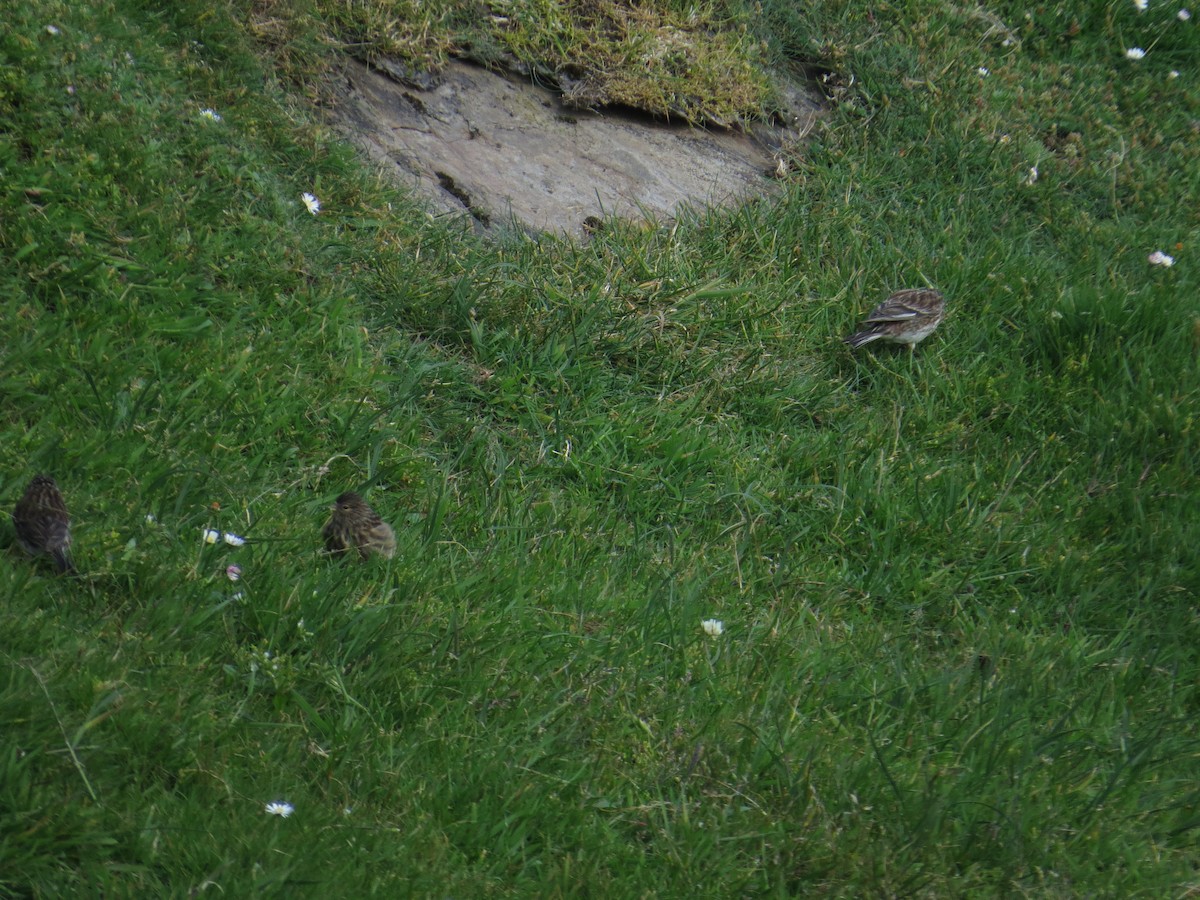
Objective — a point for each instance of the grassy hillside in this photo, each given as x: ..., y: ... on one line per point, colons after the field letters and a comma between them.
x: 957, y: 587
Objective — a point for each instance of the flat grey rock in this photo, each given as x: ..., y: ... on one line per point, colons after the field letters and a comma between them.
x: 507, y: 151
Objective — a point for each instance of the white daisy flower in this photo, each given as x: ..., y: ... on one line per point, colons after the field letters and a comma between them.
x: 1158, y: 258
x: 313, y: 204
x: 233, y: 573
x: 211, y: 536
x: 1032, y: 177
x: 983, y: 71
x: 280, y: 808
x: 1174, y: 73
x: 210, y: 114
x: 1135, y: 53
x: 53, y: 30
x: 713, y: 627
x: 232, y: 539
x: 1183, y: 15
x: 1141, y: 5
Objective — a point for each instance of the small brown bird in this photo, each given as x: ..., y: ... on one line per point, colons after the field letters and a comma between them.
x: 906, y: 317
x: 42, y: 522
x: 355, y: 526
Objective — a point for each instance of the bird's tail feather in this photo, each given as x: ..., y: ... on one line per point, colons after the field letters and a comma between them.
x: 859, y: 338
x: 63, y: 560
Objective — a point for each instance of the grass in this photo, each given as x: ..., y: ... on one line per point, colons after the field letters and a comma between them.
x: 698, y: 62
x: 958, y: 587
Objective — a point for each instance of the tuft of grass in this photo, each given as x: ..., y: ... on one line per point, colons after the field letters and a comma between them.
x: 699, y: 64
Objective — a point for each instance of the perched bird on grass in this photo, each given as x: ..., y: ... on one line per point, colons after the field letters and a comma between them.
x: 42, y: 523
x: 355, y: 526
x: 906, y: 317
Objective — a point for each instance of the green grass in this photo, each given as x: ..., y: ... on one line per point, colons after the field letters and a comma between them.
x: 958, y: 587
x: 696, y: 62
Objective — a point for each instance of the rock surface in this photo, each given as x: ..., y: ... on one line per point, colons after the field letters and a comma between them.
x: 509, y: 152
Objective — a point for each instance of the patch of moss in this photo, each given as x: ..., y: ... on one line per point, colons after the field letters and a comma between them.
x: 701, y: 65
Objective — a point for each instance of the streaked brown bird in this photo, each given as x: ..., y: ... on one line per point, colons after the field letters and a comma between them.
x: 42, y: 522
x: 906, y: 317
x: 355, y: 526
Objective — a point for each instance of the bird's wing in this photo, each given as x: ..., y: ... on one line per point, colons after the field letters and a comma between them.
x: 910, y: 304
x: 895, y: 311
